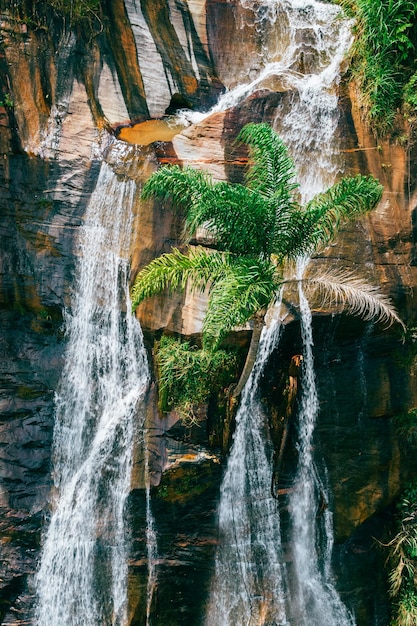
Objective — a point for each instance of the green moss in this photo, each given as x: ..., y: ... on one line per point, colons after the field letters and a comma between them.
x: 188, y: 481
x: 27, y: 392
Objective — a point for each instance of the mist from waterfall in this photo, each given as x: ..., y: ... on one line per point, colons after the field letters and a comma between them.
x: 82, y: 578
x: 252, y: 585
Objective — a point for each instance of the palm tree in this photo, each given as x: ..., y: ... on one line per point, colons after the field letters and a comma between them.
x: 257, y: 229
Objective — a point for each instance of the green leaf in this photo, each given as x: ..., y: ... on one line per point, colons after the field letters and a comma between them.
x: 172, y: 271
x: 248, y: 287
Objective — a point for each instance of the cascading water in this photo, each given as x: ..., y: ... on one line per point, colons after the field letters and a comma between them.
x: 249, y: 585
x: 313, y: 598
x: 82, y: 577
x: 151, y: 542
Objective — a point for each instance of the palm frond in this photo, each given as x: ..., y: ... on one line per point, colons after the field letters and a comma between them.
x: 188, y: 188
x: 272, y: 170
x: 341, y: 289
x: 240, y: 220
x: 172, y: 271
x: 291, y: 236
x: 246, y: 288
x: 180, y: 185
x: 344, y: 201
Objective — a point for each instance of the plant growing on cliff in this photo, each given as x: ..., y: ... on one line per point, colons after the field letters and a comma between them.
x: 403, y: 561
x: 41, y: 14
x: 383, y: 56
x: 406, y: 426
x: 7, y: 101
x: 188, y: 375
x: 257, y: 230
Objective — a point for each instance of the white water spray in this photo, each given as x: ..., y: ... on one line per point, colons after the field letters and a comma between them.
x: 151, y: 542
x: 82, y: 577
x: 304, y: 61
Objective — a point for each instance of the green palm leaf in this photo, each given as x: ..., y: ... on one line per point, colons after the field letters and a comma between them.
x: 318, y: 224
x: 238, y: 218
x: 258, y: 229
x: 272, y: 170
x: 186, y: 188
x: 181, y: 186
x: 172, y: 271
x: 248, y: 286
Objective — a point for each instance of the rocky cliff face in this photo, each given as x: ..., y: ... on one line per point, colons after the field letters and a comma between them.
x: 64, y: 92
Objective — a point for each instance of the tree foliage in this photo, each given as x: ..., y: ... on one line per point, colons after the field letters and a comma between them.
x: 403, y: 560
x: 257, y: 229
x: 188, y: 376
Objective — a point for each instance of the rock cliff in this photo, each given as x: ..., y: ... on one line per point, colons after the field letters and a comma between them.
x: 64, y: 93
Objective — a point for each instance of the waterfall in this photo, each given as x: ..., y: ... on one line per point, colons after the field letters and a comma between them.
x: 313, y: 598
x: 251, y: 585
x: 303, y: 60
x: 247, y: 585
x: 151, y: 542
x: 82, y: 578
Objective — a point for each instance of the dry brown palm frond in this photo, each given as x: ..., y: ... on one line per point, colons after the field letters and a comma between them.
x: 343, y: 290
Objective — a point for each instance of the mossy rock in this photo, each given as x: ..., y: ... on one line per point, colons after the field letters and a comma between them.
x: 184, y: 482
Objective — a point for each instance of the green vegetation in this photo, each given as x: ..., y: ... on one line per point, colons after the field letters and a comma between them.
x: 75, y: 10
x: 383, y: 58
x: 7, y: 101
x: 403, y: 561
x: 188, y: 376
x: 406, y: 426
x: 257, y: 230
x: 42, y: 14
x: 189, y: 481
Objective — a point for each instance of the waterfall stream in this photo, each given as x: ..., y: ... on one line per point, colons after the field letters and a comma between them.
x: 251, y: 584
x: 313, y: 597
x: 82, y: 577
x: 247, y: 586
x: 151, y: 542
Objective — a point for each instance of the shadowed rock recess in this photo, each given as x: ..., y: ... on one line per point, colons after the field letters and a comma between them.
x: 67, y: 88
